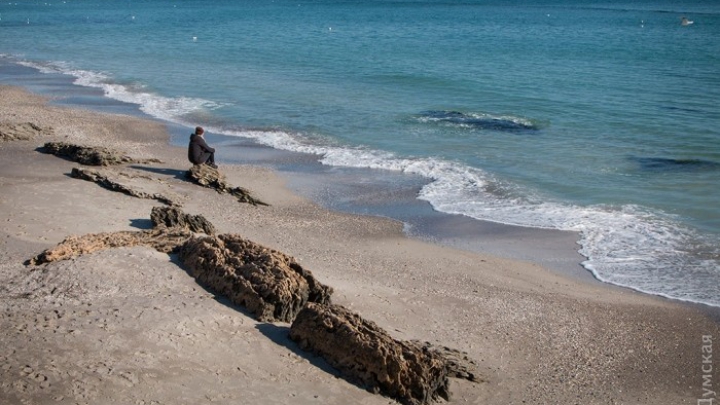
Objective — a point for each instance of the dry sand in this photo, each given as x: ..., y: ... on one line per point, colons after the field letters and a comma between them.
x: 130, y: 326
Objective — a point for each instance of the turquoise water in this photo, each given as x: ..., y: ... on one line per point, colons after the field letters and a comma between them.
x: 595, y: 117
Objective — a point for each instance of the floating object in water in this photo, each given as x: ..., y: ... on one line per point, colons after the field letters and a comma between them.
x: 194, y: 39
x: 684, y: 21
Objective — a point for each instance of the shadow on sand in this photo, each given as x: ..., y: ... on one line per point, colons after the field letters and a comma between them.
x: 178, y: 174
x: 280, y: 335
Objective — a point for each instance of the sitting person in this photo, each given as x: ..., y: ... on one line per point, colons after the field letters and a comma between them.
x: 198, y: 151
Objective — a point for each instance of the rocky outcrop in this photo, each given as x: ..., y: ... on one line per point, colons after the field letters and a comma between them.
x: 21, y: 131
x: 458, y: 363
x: 173, y: 217
x: 172, y: 229
x: 125, y: 183
x: 161, y: 239
x: 91, y: 155
x: 410, y: 372
x: 274, y: 287
x: 210, y: 177
x: 270, y: 284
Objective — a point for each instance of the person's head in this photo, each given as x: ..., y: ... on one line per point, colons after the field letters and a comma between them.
x: 199, y: 131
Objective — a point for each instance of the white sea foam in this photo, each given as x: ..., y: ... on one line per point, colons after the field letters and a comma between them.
x: 43, y: 68
x: 628, y: 245
x: 171, y: 109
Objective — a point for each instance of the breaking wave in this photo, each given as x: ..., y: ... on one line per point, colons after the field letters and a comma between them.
x: 166, y: 108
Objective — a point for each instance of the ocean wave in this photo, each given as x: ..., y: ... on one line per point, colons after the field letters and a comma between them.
x: 628, y: 245
x: 166, y: 108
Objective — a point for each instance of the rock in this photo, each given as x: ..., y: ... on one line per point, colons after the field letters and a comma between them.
x: 210, y: 177
x: 270, y: 284
x: 409, y: 372
x: 458, y: 363
x: 125, y: 183
x: 91, y: 155
x: 161, y: 239
x: 172, y: 229
x: 22, y: 131
x: 173, y: 217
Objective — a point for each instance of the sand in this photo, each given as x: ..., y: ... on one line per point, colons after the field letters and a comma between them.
x: 131, y: 326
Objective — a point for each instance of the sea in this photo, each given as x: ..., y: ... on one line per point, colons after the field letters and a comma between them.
x: 596, y: 119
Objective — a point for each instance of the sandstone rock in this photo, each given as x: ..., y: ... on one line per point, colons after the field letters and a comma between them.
x: 210, y: 177
x: 91, y: 155
x: 173, y: 217
x: 458, y: 363
x: 161, y: 239
x: 270, y: 284
x: 125, y: 183
x: 409, y: 372
x: 21, y: 131
x: 274, y: 287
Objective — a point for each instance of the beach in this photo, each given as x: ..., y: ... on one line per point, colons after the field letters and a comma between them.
x: 457, y: 120
x: 130, y: 325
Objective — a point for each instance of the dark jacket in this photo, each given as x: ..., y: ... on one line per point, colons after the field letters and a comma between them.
x: 198, y: 150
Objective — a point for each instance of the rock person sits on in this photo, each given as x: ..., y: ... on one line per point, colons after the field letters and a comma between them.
x: 199, y: 151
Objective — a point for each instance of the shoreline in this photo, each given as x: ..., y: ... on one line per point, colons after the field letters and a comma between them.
x: 367, y: 192
x: 360, y: 191
x: 392, y: 195
x: 153, y: 334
